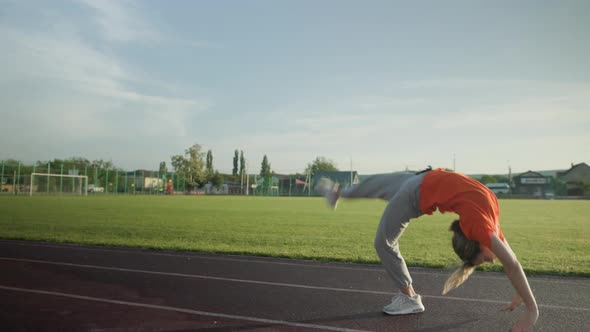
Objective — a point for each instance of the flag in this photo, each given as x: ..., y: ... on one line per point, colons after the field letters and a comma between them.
x: 299, y: 182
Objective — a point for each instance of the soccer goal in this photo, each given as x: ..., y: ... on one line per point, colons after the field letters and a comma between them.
x: 58, y: 184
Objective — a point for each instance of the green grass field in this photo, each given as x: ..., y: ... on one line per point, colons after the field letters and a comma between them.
x: 549, y: 237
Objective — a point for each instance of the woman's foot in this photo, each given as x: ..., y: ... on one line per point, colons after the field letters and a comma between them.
x: 330, y: 190
x: 401, y: 304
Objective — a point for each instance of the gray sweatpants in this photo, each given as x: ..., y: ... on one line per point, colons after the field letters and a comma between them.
x: 402, y: 190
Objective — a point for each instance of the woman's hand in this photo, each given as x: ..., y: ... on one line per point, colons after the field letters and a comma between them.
x: 516, y: 301
x: 526, y: 321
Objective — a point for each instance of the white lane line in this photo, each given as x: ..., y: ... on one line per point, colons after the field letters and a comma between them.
x: 196, y: 276
x: 267, y: 283
x: 183, y: 310
x: 276, y: 261
x: 225, y: 257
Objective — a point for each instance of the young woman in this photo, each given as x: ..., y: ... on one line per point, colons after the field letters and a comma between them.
x: 477, y: 237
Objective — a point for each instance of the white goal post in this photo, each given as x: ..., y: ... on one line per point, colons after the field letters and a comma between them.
x: 79, y: 186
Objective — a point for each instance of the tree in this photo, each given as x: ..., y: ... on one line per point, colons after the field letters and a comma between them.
x: 320, y: 164
x: 217, y: 180
x: 163, y: 170
x: 488, y: 179
x: 502, y: 179
x: 102, y: 164
x: 190, y: 167
x: 235, y: 169
x: 11, y: 167
x: 180, y: 165
x: 75, y: 162
x: 78, y: 163
x: 265, y: 174
x: 265, y: 171
x: 98, y: 171
x: 242, y: 163
x: 209, y: 166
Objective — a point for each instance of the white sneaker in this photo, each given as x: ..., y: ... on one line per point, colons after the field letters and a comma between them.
x: 401, y: 304
x: 330, y: 190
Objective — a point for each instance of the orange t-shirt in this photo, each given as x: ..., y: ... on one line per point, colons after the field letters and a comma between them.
x: 476, y: 205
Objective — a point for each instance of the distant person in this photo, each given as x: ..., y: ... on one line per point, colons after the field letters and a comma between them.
x: 169, y: 187
x: 477, y: 237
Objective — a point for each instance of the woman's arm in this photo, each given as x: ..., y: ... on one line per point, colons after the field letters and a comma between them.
x: 519, y: 281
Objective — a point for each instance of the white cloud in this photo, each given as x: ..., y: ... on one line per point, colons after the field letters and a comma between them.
x: 62, y: 90
x: 125, y: 21
x: 533, y: 125
x: 70, y: 67
x: 62, y: 85
x: 121, y: 21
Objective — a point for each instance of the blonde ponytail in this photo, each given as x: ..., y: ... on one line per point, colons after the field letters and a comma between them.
x: 467, y: 250
x: 458, y: 277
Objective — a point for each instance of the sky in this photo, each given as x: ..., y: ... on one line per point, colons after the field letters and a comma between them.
x: 379, y: 86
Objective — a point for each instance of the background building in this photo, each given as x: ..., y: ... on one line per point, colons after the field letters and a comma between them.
x: 577, y: 179
x: 532, y: 184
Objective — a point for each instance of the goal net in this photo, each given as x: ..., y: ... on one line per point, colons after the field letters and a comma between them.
x: 58, y: 184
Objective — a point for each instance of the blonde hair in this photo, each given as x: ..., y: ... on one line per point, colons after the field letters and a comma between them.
x: 458, y: 277
x: 467, y: 250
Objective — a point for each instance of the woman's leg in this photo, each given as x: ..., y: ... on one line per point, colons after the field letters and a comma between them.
x: 383, y: 186
x: 402, y: 207
x: 397, y: 215
x: 394, y: 221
